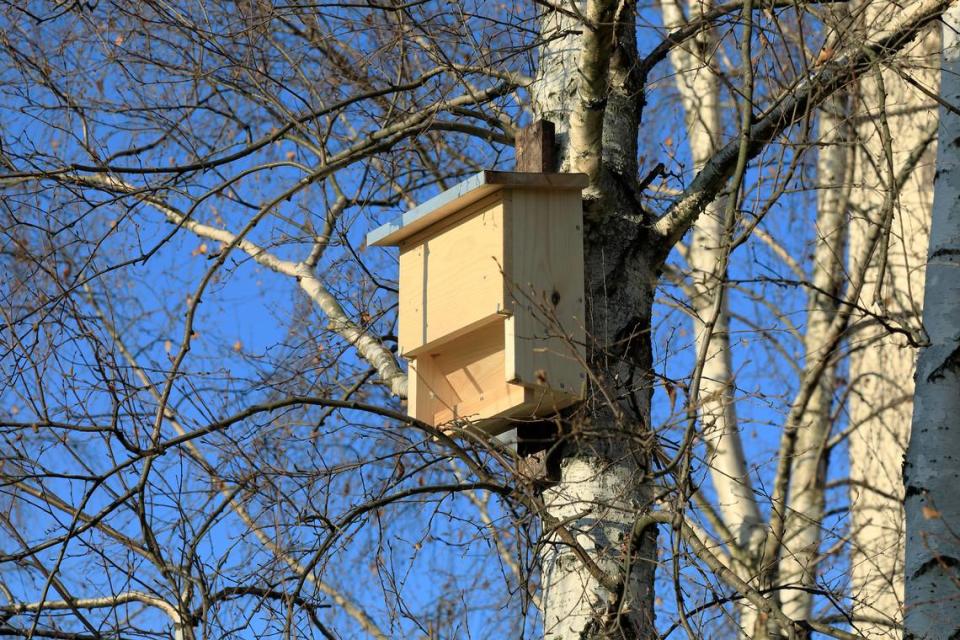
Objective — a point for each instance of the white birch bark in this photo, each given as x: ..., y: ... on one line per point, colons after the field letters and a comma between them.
x: 583, y: 87
x: 881, y: 363
x: 598, y: 501
x: 932, y: 468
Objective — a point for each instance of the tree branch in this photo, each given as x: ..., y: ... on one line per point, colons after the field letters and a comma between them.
x: 793, y: 105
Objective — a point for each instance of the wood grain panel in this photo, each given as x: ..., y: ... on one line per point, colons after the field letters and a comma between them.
x: 450, y: 276
x: 545, y: 336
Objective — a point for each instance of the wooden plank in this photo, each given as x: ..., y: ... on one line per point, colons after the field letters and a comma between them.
x: 464, y: 194
x: 452, y: 281
x: 435, y: 346
x: 465, y: 380
x: 474, y: 369
x: 430, y: 394
x: 535, y: 147
x: 536, y: 403
x: 418, y: 398
x: 543, y: 181
x: 545, y: 335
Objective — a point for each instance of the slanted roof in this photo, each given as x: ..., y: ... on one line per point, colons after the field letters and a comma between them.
x: 464, y: 194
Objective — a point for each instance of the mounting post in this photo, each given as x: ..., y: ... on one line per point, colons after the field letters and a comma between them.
x: 535, y: 148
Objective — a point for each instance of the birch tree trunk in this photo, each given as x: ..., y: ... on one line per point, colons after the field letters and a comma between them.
x: 584, y: 85
x: 698, y: 86
x: 932, y: 468
x: 805, y: 507
x: 894, y: 118
x: 699, y: 90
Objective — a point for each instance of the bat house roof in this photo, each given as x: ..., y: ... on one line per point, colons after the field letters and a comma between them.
x: 465, y: 193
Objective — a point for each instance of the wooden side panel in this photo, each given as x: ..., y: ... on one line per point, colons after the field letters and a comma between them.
x: 418, y: 396
x: 450, y: 275
x: 545, y: 335
x: 464, y: 380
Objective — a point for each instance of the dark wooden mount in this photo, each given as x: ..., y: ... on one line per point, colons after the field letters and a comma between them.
x: 536, y: 447
x: 535, y: 148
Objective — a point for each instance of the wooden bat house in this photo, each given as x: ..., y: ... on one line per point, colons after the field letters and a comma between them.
x: 491, y: 299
